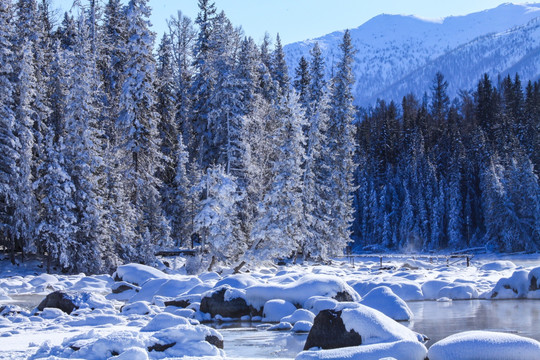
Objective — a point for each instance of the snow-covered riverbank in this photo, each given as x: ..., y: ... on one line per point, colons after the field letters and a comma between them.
x: 128, y: 312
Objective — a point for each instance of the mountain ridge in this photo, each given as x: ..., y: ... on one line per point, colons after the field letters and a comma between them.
x: 390, y: 48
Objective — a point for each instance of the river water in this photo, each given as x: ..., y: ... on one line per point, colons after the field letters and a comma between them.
x: 435, y: 319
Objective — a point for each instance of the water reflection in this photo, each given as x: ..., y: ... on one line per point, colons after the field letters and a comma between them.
x: 438, y: 320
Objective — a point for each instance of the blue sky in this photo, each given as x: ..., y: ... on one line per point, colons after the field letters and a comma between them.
x: 297, y: 20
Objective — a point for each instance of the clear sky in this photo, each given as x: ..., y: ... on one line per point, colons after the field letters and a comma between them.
x: 297, y: 20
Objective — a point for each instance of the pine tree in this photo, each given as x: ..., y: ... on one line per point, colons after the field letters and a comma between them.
x: 138, y: 128
x: 279, y: 70
x: 83, y: 156
x: 339, y: 149
x: 302, y: 82
x: 9, y: 141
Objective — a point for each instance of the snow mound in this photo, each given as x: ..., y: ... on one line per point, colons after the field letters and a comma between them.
x: 51, y: 313
x: 164, y: 321
x: 405, y: 289
x: 534, y: 279
x: 402, y: 350
x: 316, y: 304
x: 431, y: 288
x: 457, y: 291
x: 97, y: 320
x: 138, y: 274
x: 137, y: 308
x: 299, y: 315
x: 93, y: 283
x: 299, y: 291
x: 383, y: 299
x: 282, y: 326
x: 170, y: 288
x: 499, y: 265
x: 275, y: 310
x: 302, y: 326
x: 480, y: 345
x: 516, y: 286
x: 238, y: 281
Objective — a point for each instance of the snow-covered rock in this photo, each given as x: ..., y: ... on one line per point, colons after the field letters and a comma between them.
x: 299, y: 315
x: 405, y: 289
x: 485, y: 345
x: 222, y: 302
x: 431, y: 288
x: 137, y: 308
x: 300, y: 290
x: 383, y: 299
x: 534, y: 279
x: 138, y: 274
x: 69, y: 301
x: 302, y: 327
x: 499, y: 265
x: 317, y: 304
x: 516, y: 286
x: 163, y: 321
x: 457, y: 291
x: 276, y: 309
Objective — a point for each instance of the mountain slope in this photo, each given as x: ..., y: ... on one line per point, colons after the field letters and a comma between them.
x: 390, y: 48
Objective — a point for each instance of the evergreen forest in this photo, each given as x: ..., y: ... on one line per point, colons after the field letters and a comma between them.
x: 115, y: 144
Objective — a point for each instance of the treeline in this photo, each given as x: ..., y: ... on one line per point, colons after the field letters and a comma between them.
x: 110, y: 151
x: 438, y: 174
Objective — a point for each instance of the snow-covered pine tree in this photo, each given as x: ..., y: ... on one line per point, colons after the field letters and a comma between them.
x: 217, y: 221
x: 316, y: 169
x: 167, y: 127
x: 302, y: 81
x: 182, y: 201
x: 57, y: 228
x: 280, y: 229
x: 279, y: 70
x: 202, y: 90
x: 83, y: 155
x: 340, y: 148
x: 183, y: 36
x: 9, y: 142
x: 137, y: 123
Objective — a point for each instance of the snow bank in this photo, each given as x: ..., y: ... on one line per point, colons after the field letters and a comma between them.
x: 138, y: 274
x: 383, y: 299
x: 401, y: 350
x: 137, y: 308
x: 299, y: 291
x: 238, y: 281
x: 302, y: 326
x: 480, y: 345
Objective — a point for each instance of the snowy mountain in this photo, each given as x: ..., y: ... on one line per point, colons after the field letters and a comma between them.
x: 399, y: 54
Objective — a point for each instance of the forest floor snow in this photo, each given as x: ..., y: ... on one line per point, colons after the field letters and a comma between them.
x: 134, y: 322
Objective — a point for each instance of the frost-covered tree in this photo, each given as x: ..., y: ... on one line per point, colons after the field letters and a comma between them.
x: 217, y: 221
x: 9, y: 141
x: 84, y: 158
x: 137, y: 123
x: 281, y: 226
x: 57, y: 228
x: 339, y: 149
